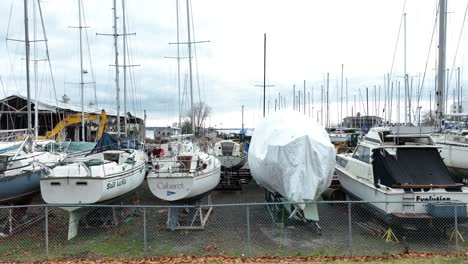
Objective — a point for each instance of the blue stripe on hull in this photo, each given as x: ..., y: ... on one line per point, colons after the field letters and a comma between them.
x: 14, y: 188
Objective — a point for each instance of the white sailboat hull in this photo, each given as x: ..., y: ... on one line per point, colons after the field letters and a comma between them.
x: 456, y: 158
x: 90, y: 190
x: 232, y: 162
x: 174, y: 187
x: 77, y: 184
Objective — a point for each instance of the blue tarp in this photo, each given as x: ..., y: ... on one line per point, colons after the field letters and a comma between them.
x: 108, y: 142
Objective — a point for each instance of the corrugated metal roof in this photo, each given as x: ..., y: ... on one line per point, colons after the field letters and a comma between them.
x: 53, y: 105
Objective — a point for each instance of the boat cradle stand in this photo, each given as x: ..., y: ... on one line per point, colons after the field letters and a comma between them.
x: 192, y: 217
x: 232, y: 180
x: 20, y: 218
x: 284, y: 213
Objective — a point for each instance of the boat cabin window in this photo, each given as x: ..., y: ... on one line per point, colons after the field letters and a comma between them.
x: 227, y: 148
x: 362, y: 153
x: 3, y: 162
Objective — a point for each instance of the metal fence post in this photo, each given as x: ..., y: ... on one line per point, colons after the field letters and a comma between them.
x: 144, y: 231
x: 350, y: 230
x: 455, y: 232
x: 248, y: 230
x: 46, y: 233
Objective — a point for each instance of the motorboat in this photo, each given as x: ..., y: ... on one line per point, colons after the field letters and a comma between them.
x: 400, y: 172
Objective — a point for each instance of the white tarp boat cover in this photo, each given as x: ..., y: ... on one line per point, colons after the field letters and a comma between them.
x: 291, y: 154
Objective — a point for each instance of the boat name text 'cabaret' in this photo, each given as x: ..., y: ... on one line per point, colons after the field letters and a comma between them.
x: 111, y: 185
x: 166, y: 186
x: 431, y: 198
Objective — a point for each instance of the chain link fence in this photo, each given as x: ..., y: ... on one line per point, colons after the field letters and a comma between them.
x: 260, y: 229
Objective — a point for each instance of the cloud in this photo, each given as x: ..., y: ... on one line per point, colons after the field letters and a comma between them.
x: 305, y: 40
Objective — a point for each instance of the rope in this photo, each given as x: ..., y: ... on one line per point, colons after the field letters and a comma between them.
x: 93, y: 78
x: 398, y: 38
x: 458, y: 44
x: 428, y: 54
x: 195, y: 52
x: 47, y: 51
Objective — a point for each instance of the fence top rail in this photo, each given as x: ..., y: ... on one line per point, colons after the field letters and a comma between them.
x: 446, y: 202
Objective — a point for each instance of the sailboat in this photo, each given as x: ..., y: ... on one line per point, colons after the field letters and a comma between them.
x: 187, y: 176
x: 231, y: 154
x: 21, y: 165
x: 114, y: 168
x: 454, y: 150
x: 454, y: 146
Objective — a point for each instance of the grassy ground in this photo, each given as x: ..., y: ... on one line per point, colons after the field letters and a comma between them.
x: 398, y: 259
x: 226, y: 234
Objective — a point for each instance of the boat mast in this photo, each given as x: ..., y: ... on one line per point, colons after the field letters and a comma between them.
x: 304, y: 97
x: 243, y: 122
x: 192, y: 115
x: 341, y: 97
x: 80, y: 27
x: 347, y: 97
x: 36, y: 108
x: 458, y: 91
x: 328, y: 97
x: 441, y: 66
x: 321, y: 105
x: 264, y: 72
x: 294, y: 97
x: 28, y: 88
x: 178, y: 63
x: 116, y: 50
x: 404, y: 68
x: 124, y: 44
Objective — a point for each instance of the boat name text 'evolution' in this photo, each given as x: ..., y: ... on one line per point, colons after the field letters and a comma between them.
x: 431, y: 198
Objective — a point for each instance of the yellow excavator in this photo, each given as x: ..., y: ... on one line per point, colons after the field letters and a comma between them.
x: 76, y: 119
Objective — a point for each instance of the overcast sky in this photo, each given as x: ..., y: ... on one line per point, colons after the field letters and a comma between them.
x: 305, y: 40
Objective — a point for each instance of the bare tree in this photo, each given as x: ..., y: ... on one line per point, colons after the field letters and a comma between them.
x: 186, y: 126
x: 201, y: 112
x: 427, y: 119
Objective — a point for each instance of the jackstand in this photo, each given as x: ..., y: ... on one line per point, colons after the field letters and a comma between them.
x: 457, y: 232
x: 189, y: 218
x: 390, y: 236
